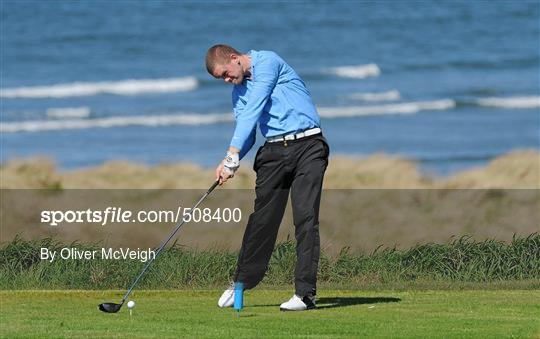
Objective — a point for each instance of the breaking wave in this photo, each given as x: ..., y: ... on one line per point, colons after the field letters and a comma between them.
x: 125, y: 87
x: 356, y: 72
x: 510, y: 102
x: 381, y: 96
x: 146, y: 120
x: 401, y: 108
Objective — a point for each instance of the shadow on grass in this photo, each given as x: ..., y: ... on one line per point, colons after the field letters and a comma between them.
x: 323, y: 303
x: 332, y: 302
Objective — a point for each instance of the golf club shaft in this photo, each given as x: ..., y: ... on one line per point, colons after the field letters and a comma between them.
x: 134, y: 283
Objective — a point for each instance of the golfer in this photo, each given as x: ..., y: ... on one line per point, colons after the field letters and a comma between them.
x: 268, y: 92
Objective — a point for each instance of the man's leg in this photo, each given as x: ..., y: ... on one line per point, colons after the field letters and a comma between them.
x: 306, y: 196
x: 272, y: 191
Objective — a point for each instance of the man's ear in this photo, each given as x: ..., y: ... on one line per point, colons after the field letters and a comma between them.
x: 234, y: 58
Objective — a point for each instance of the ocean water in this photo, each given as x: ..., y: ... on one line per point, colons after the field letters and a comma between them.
x: 448, y: 84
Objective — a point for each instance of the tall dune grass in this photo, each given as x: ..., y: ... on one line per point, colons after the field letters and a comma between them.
x: 518, y: 169
x: 462, y: 260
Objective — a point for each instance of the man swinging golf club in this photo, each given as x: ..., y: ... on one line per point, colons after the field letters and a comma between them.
x: 294, y: 158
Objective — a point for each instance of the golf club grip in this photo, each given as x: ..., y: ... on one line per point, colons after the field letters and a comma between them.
x: 134, y: 283
x: 216, y: 183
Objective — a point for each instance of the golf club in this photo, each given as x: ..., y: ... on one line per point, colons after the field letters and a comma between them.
x: 112, y: 307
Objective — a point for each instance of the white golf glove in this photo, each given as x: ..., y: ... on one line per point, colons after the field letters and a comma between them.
x: 231, y: 163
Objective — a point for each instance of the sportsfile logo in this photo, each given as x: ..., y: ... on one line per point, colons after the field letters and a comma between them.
x: 120, y: 215
x: 110, y: 214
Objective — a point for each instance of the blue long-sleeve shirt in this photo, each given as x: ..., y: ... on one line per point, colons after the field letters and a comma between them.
x: 275, y: 97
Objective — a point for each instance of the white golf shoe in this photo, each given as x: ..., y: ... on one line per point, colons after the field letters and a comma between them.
x: 227, y: 298
x: 298, y: 304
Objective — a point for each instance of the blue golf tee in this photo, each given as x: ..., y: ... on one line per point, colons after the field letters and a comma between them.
x: 238, y: 296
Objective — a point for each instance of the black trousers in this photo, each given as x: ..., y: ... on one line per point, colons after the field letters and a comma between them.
x: 297, y: 167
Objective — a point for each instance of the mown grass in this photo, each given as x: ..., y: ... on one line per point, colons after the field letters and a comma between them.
x: 461, y: 261
x: 351, y: 314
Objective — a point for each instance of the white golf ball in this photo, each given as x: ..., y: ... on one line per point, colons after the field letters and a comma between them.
x: 131, y: 304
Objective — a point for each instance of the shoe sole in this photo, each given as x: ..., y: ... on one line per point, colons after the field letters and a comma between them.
x: 287, y: 310
x: 225, y: 303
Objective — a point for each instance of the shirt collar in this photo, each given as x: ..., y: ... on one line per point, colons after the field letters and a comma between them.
x: 252, y: 54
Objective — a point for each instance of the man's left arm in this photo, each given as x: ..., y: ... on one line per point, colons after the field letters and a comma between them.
x: 264, y: 81
x: 231, y: 163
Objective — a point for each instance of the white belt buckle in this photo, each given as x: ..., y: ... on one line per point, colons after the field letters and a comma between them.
x: 297, y: 136
x: 312, y: 131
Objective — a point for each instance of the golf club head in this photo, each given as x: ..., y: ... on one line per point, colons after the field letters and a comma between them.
x: 109, y: 307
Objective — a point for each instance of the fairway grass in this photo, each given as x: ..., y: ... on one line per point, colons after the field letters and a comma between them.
x: 194, y: 313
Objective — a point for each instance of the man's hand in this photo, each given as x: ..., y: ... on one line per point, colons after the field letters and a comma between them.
x: 228, y: 166
x: 222, y: 174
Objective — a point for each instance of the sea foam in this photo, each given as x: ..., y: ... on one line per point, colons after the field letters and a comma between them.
x: 510, y: 102
x: 387, y: 109
x: 207, y: 119
x: 380, y: 96
x: 124, y: 87
x: 145, y: 120
x: 357, y: 72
